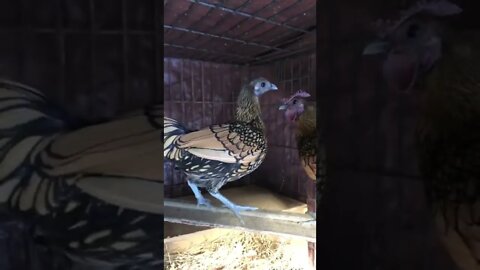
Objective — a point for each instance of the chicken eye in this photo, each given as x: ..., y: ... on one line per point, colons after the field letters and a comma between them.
x: 262, y: 84
x: 294, y: 101
x: 412, y: 30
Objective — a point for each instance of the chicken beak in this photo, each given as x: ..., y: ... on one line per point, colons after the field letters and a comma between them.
x: 376, y: 47
x: 282, y: 107
x: 274, y: 87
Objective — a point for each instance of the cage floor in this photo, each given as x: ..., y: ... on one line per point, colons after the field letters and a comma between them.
x: 254, y: 195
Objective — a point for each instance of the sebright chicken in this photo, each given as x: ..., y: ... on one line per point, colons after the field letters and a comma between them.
x: 218, y: 154
x: 304, y: 118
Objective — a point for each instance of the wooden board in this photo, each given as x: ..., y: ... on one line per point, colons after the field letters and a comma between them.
x: 276, y: 215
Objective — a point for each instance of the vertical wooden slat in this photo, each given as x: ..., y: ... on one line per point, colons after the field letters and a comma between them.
x: 93, y: 52
x: 24, y: 48
x: 203, y: 93
x: 123, y: 97
x: 61, y: 52
x: 158, y: 51
x: 182, y: 92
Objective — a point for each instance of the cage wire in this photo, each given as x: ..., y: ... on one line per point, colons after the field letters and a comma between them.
x: 241, y: 32
x: 85, y: 47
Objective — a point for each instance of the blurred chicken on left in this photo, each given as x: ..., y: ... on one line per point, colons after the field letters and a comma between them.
x: 71, y: 186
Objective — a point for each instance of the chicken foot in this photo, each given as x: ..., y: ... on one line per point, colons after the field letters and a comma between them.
x: 198, y: 195
x: 236, y: 209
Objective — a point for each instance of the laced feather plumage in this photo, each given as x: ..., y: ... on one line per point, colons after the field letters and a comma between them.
x: 218, y: 154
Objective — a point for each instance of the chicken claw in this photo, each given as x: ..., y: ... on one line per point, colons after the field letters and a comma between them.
x: 198, y: 195
x: 236, y: 209
x: 204, y: 202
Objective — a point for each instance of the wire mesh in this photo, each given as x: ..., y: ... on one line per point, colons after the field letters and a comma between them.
x: 240, y: 31
x: 76, y: 48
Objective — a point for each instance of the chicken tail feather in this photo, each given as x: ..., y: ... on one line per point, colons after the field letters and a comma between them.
x: 172, y: 130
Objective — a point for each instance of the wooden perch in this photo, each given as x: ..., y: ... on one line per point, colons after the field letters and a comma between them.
x: 275, y: 222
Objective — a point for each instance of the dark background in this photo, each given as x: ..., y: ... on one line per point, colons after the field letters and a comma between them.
x: 374, y: 214
x: 95, y: 57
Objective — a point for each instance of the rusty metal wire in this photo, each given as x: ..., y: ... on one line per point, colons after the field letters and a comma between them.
x: 250, y: 16
x: 225, y: 18
x: 207, y: 51
x: 224, y: 37
x: 243, y: 32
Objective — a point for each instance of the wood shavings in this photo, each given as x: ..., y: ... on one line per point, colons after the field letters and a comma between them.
x: 237, y: 250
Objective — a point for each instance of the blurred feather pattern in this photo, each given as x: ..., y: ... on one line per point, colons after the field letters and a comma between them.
x: 93, y: 193
x: 443, y: 66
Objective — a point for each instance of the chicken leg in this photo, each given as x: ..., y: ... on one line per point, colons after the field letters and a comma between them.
x: 234, y: 207
x: 198, y: 195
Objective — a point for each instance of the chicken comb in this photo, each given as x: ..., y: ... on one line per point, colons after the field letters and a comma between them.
x: 299, y: 93
x: 437, y: 8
